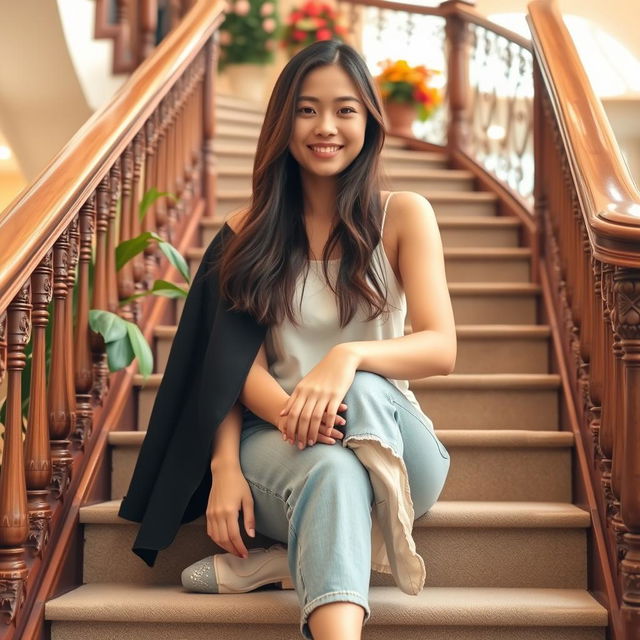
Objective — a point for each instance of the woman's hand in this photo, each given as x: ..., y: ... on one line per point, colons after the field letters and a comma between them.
x: 320, y: 391
x: 327, y: 434
x: 229, y: 492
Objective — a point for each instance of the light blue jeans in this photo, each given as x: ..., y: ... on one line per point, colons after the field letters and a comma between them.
x: 318, y: 500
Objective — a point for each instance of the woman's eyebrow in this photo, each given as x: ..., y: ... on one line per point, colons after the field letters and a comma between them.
x: 340, y: 99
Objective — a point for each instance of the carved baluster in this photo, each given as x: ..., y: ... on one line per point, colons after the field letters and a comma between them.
x: 112, y: 282
x: 170, y: 180
x: 148, y: 222
x: 209, y: 122
x: 179, y: 151
x: 84, y: 368
x: 198, y: 122
x: 136, y: 226
x: 57, y: 398
x: 100, y: 300
x: 162, y: 219
x: 457, y: 33
x: 126, y: 285
x: 14, y: 525
x: 70, y: 365
x: 186, y: 145
x: 3, y: 345
x: 37, y: 451
x: 627, y: 301
x: 123, y: 53
x: 148, y: 25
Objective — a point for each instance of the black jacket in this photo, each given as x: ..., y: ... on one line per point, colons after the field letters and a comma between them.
x: 210, y: 358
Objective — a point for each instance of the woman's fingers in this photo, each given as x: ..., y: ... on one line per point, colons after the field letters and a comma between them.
x: 235, y: 539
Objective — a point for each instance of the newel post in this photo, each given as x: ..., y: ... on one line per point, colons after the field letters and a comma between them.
x: 627, y: 310
x: 457, y: 36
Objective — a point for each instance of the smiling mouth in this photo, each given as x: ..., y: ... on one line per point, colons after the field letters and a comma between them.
x: 327, y: 150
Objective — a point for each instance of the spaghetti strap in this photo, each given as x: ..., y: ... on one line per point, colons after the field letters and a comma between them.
x: 384, y: 213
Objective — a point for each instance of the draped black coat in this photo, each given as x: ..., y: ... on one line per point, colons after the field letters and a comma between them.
x: 210, y: 358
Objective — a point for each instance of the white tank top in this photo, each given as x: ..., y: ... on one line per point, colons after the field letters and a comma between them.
x: 293, y: 351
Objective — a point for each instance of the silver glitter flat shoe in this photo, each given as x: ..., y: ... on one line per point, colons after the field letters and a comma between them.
x: 226, y: 573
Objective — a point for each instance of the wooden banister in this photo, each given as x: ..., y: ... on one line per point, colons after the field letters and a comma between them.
x: 155, y: 133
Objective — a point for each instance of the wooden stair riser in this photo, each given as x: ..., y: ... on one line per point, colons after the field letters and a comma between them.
x: 488, y: 308
x: 476, y: 473
x: 128, y: 630
x: 502, y: 354
x: 458, y: 268
x: 484, y: 408
x: 228, y: 180
x: 452, y: 236
x: 226, y: 204
x: 551, y: 557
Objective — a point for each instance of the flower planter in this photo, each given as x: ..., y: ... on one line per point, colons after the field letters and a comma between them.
x: 248, y: 80
x: 400, y: 117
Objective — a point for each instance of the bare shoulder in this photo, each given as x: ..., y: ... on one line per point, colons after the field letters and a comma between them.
x: 411, y: 213
x: 236, y: 219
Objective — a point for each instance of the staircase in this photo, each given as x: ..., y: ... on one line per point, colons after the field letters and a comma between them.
x: 504, y: 547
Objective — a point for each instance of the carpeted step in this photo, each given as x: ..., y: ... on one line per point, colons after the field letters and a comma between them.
x: 161, y: 612
x: 486, y: 464
x: 463, y: 544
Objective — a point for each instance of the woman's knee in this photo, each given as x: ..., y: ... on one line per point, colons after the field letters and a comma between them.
x: 367, y: 386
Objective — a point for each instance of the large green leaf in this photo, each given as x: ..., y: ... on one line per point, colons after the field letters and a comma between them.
x: 130, y: 248
x: 141, y: 349
x: 174, y: 257
x: 119, y: 353
x: 109, y: 325
x: 150, y: 197
x: 160, y: 288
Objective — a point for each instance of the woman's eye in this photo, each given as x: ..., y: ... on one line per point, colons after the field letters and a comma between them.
x: 350, y: 109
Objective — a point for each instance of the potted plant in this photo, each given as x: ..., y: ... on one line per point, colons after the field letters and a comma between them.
x: 407, y: 95
x: 248, y: 39
x: 310, y: 22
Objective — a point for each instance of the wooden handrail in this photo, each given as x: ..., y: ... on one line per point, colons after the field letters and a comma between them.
x: 36, y: 217
x: 608, y: 196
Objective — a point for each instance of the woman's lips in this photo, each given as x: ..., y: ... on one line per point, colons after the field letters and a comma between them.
x: 325, y: 154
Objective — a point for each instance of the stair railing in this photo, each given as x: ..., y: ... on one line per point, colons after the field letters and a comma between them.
x: 588, y: 214
x: 136, y: 27
x: 157, y: 132
x: 553, y: 161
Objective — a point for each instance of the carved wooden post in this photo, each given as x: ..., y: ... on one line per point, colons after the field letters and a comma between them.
x: 123, y: 41
x: 148, y: 25
x: 148, y: 222
x: 170, y: 182
x: 158, y: 181
x: 100, y: 300
x: 112, y: 282
x: 57, y: 399
x: 136, y: 226
x: 14, y: 526
x: 627, y: 295
x: 126, y: 285
x: 179, y: 150
x: 210, y: 178
x: 457, y: 33
x: 198, y: 127
x: 70, y: 365
x: 188, y: 190
x: 3, y: 344
x: 37, y: 451
x: 84, y: 368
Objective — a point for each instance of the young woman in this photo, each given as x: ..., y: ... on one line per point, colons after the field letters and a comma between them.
x: 331, y: 263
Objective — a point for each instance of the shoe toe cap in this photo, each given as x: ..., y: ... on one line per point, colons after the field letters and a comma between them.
x: 200, y: 576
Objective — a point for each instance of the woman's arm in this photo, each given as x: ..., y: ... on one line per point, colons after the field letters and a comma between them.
x: 262, y: 394
x: 226, y: 445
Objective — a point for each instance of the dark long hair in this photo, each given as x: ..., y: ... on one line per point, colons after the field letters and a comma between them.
x: 260, y: 264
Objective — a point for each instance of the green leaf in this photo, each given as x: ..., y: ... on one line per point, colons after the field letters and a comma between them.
x: 130, y: 248
x: 160, y: 288
x: 150, y: 197
x: 174, y: 256
x: 109, y: 325
x: 141, y: 349
x: 119, y: 353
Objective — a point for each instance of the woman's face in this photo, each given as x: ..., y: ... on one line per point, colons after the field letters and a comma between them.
x: 329, y: 111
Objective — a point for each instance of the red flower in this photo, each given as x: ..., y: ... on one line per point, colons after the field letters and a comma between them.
x: 299, y: 35
x: 312, y: 8
x: 323, y: 34
x: 320, y: 22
